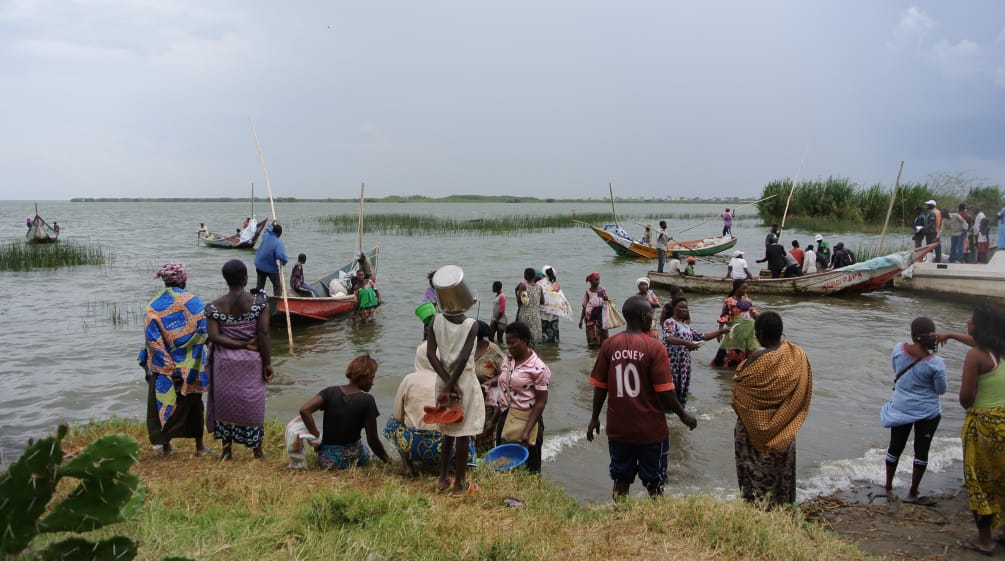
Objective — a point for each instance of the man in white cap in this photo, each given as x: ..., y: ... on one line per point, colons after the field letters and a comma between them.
x: 823, y: 253
x: 738, y: 267
x: 933, y: 222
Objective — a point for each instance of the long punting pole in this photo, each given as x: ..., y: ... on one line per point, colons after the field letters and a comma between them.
x: 889, y: 209
x: 614, y: 213
x: 359, y: 229
x: 792, y: 190
x: 272, y: 203
x: 734, y: 210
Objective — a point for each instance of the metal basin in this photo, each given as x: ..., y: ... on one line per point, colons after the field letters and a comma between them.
x: 452, y: 290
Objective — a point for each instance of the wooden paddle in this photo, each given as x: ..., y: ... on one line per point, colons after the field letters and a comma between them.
x: 272, y: 203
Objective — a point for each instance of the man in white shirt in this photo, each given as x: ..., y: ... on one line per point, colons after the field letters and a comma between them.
x: 738, y: 267
x: 809, y: 260
x: 675, y: 266
x: 661, y: 245
x: 249, y: 230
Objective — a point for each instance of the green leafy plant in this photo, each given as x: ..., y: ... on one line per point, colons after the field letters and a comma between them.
x: 106, y: 493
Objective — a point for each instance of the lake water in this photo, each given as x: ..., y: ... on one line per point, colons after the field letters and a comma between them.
x: 70, y: 336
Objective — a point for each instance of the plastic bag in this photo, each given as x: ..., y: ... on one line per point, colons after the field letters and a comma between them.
x: 612, y: 319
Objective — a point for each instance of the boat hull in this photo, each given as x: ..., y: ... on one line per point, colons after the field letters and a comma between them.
x: 847, y: 280
x: 311, y: 309
x: 324, y: 307
x: 631, y: 248
x: 967, y: 280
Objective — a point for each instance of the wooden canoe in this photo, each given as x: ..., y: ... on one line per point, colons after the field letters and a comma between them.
x: 234, y: 242
x: 41, y: 231
x: 628, y: 247
x: 327, y: 305
x: 854, y: 279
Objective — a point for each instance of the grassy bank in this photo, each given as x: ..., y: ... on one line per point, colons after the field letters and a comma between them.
x: 248, y: 509
x: 20, y: 256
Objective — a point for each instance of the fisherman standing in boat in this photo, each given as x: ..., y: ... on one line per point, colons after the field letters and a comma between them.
x: 271, y: 250
x: 661, y: 245
x: 727, y: 223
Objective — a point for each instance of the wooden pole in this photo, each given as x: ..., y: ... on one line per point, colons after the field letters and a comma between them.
x: 614, y: 213
x: 889, y: 209
x: 272, y: 203
x: 792, y: 190
x: 359, y: 229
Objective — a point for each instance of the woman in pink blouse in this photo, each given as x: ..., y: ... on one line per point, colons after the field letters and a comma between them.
x: 523, y: 385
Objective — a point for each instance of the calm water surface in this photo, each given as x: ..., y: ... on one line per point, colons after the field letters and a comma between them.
x: 70, y: 336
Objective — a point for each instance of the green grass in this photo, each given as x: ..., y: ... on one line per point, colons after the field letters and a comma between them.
x: 20, y: 256
x: 247, y: 509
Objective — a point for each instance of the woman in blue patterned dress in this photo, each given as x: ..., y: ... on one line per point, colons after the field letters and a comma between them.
x: 680, y: 339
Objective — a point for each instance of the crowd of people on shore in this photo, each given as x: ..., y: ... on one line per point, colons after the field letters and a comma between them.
x: 468, y: 394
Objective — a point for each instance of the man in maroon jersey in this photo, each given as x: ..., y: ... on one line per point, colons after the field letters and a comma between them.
x: 632, y: 367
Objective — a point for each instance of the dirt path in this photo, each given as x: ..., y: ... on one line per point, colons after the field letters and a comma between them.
x: 897, y: 530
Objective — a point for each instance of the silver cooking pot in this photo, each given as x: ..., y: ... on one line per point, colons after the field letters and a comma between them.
x: 452, y: 290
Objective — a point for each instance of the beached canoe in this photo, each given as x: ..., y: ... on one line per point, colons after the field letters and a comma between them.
x: 234, y: 242
x: 983, y: 281
x: 327, y: 305
x: 622, y: 244
x: 861, y: 277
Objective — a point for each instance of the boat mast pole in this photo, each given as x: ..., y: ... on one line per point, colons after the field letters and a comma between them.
x: 614, y: 213
x: 889, y: 209
x: 272, y: 203
x: 792, y: 190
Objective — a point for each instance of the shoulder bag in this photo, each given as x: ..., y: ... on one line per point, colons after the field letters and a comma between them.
x: 516, y: 420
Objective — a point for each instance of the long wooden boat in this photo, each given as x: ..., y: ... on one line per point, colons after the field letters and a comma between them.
x: 984, y: 281
x: 326, y: 305
x: 624, y: 245
x: 861, y: 277
x: 40, y: 231
x: 234, y: 242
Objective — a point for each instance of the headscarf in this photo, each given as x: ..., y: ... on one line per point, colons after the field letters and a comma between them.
x: 642, y: 280
x: 593, y: 275
x: 174, y: 274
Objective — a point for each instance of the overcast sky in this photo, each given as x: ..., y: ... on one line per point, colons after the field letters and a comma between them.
x: 109, y: 98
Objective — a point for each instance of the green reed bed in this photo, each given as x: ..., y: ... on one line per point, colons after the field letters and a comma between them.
x: 20, y: 256
x: 411, y: 224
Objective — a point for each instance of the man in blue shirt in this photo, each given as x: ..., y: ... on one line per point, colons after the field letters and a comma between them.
x: 270, y: 251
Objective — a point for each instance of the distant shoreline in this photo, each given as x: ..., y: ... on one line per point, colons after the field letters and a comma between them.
x: 408, y: 199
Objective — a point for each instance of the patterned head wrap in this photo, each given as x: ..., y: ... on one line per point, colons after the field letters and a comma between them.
x: 592, y: 276
x: 174, y: 274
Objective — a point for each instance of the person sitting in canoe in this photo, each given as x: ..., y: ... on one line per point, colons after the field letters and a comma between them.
x: 297, y: 281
